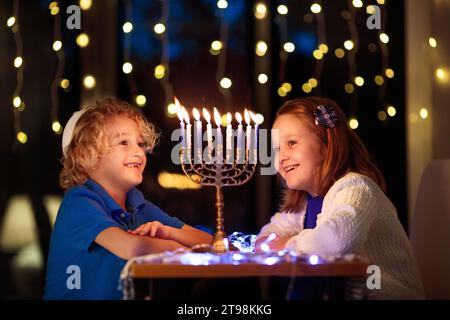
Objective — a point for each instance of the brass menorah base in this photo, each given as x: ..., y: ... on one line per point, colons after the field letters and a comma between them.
x: 216, y: 174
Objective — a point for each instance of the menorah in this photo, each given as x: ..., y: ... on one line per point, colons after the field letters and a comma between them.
x: 218, y: 172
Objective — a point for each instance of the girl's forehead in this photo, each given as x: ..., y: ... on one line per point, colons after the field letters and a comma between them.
x: 289, y: 124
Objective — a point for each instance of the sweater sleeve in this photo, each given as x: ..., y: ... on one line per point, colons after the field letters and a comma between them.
x: 343, y: 225
x: 284, y: 225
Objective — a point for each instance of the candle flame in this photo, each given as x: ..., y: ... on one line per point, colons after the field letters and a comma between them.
x: 185, y: 115
x: 238, y: 117
x: 247, y: 117
x: 229, y: 118
x: 196, y: 114
x: 217, y: 117
x: 253, y: 116
x: 206, y: 115
x: 178, y: 109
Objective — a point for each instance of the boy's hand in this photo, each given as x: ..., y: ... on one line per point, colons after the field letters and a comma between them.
x: 152, y: 229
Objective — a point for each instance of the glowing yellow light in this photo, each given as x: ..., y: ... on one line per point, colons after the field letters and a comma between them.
x: 348, y: 44
x: 52, y: 5
x: 380, y: 1
x: 287, y: 86
x: 382, y: 115
x: 389, y: 73
x: 160, y: 71
x: 224, y: 120
x: 85, y: 4
x: 159, y: 28
x: 22, y: 137
x: 259, y: 118
x: 282, y: 9
x: 216, y: 45
x: 176, y: 181
x: 141, y: 100
x: 307, y: 88
x: 127, y: 27
x: 82, y: 40
x: 370, y: 9
x: 316, y: 8
x: 222, y: 4
x: 18, y: 62
x: 260, y: 11
x: 357, y: 3
x: 313, y: 82
x: 57, y: 45
x: 11, y: 21
x: 262, y: 78
x: 89, y: 82
x: 359, y: 81
x: 225, y: 83
x: 323, y: 47
x: 282, y: 92
x: 379, y: 80
x: 349, y: 88
x: 423, y: 113
x: 17, y: 102
x: 56, y: 126
x: 432, y: 42
x: 391, y: 111
x: 353, y: 123
x: 289, y: 47
x: 384, y: 38
x: 442, y: 74
x: 172, y: 109
x: 127, y: 67
x: 261, y: 48
x: 339, y: 53
x: 65, y: 83
x: 318, y: 54
x: 54, y: 11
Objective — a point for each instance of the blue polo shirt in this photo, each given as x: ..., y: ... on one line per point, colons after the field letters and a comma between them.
x: 78, y: 268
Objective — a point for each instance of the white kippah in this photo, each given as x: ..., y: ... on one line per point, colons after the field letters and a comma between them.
x: 68, y: 130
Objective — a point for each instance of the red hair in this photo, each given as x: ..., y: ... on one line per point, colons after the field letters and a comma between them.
x: 344, y: 150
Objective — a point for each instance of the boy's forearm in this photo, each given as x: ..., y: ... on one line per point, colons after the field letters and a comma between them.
x: 189, y: 236
x: 145, y: 245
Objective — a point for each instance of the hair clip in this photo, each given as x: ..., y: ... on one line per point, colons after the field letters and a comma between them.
x: 325, y: 116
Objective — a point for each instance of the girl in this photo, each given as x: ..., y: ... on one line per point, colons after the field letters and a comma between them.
x: 334, y: 202
x: 103, y: 219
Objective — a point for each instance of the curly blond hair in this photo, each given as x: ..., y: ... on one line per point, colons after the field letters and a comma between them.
x: 89, y: 139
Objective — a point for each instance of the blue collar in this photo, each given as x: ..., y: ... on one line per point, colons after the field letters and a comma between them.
x: 134, y: 198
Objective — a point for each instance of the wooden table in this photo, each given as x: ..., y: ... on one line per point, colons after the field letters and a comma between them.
x: 354, y: 270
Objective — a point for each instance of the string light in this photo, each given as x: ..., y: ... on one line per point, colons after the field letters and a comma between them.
x: 57, y: 82
x: 357, y: 3
x: 222, y: 4
x: 391, y: 111
x: 384, y: 38
x: 89, y: 82
x: 159, y: 28
x: 289, y: 47
x: 263, y: 78
x: 441, y: 74
x: 127, y: 66
x: 432, y: 42
x: 261, y: 48
x: 82, y: 40
x: 339, y: 53
x: 349, y: 45
x: 18, y: 104
x: 423, y: 113
x: 225, y: 83
x: 353, y: 123
x: 260, y: 11
x: 382, y: 115
x: 282, y: 9
x: 85, y: 4
x: 316, y: 8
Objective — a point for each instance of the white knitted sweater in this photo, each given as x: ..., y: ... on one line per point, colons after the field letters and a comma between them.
x: 357, y: 217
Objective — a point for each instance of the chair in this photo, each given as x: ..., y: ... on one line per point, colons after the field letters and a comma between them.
x: 430, y: 229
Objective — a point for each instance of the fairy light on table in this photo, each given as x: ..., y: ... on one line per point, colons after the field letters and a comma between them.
x: 234, y: 169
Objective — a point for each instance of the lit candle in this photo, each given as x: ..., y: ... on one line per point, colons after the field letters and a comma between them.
x: 181, y: 117
x: 208, y: 131
x: 219, y: 138
x: 229, y: 137
x: 248, y: 132
x: 240, y: 138
x: 198, y: 137
x: 255, y: 139
x: 188, y: 134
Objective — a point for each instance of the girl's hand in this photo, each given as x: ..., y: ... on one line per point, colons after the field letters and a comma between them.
x: 152, y: 229
x: 270, y: 243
